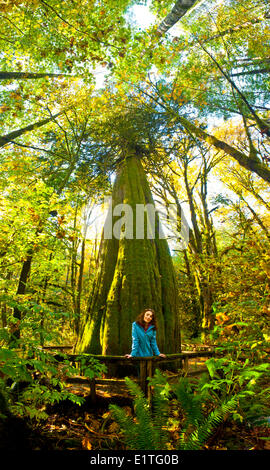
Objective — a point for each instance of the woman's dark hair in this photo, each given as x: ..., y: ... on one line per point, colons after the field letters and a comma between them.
x: 140, y: 318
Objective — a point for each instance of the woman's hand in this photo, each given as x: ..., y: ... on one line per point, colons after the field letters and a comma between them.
x: 128, y: 356
x: 162, y: 355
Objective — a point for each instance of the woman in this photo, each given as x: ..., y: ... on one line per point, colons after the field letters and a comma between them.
x: 144, y: 341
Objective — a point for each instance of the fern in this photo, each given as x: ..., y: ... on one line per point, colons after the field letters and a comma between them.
x: 148, y: 429
x: 127, y: 425
x: 160, y: 407
x: 190, y: 403
x: 145, y: 432
x: 205, y: 428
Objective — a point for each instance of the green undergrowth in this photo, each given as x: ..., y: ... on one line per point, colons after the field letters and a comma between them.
x: 186, y: 415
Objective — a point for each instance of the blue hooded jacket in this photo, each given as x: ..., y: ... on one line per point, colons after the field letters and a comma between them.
x: 144, y: 343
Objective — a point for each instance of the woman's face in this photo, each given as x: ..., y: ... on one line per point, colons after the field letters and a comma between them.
x: 148, y: 316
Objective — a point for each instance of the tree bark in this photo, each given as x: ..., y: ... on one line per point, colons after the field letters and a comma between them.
x: 79, y: 289
x: 5, y: 139
x: 179, y: 10
x: 132, y: 274
x: 251, y: 72
x: 251, y: 164
x: 195, y: 300
x: 196, y: 230
x: 25, y: 272
x: 28, y: 75
x: 257, y: 218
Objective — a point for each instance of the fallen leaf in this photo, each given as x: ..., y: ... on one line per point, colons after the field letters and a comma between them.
x: 114, y: 427
x: 86, y: 443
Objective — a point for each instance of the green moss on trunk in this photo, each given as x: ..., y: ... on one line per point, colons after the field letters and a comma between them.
x: 133, y: 274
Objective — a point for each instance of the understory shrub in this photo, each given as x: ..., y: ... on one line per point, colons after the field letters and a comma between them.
x: 31, y: 377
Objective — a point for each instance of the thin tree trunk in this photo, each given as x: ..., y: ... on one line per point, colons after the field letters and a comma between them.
x: 74, y: 268
x: 25, y: 272
x: 251, y: 72
x: 46, y: 282
x: 21, y: 289
x: 4, y: 305
x: 210, y: 242
x: 4, y: 314
x: 259, y: 198
x: 179, y: 10
x: 28, y: 75
x: 5, y: 139
x: 262, y: 125
x: 196, y: 229
x: 252, y: 164
x: 79, y: 290
x: 257, y: 218
x: 196, y: 310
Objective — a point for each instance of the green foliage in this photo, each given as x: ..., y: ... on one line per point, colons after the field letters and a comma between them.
x: 31, y: 382
x: 36, y: 397
x: 242, y: 378
x: 198, y: 425
x: 190, y: 403
x: 216, y: 65
x: 149, y: 429
x: 146, y: 431
x: 33, y: 378
x: 204, y: 428
x: 32, y: 324
x: 91, y: 367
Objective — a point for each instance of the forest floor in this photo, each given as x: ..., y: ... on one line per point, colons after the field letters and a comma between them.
x: 91, y: 427
x: 70, y: 427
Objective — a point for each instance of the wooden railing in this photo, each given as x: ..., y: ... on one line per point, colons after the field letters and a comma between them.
x: 147, y: 366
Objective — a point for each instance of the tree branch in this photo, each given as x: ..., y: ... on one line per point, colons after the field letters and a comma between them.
x: 179, y: 10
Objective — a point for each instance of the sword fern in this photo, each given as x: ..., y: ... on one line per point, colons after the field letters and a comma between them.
x: 148, y: 429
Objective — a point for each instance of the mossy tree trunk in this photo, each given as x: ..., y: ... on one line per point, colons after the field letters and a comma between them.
x: 132, y: 274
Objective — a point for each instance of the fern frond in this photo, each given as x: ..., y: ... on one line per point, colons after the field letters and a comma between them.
x: 205, y: 429
x: 134, y: 388
x: 139, y: 434
x: 127, y: 425
x: 190, y: 403
x: 160, y: 408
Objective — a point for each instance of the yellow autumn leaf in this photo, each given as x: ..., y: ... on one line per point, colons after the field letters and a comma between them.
x: 86, y: 443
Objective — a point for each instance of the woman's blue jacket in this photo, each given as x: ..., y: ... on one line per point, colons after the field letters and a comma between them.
x: 144, y: 343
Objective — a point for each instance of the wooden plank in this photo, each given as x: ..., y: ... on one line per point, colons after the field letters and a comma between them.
x: 186, y: 364
x: 197, y: 372
x: 77, y: 380
x: 85, y: 380
x: 149, y: 368
x: 143, y: 376
x: 149, y: 373
x: 122, y: 360
x: 93, y: 395
x: 111, y: 381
